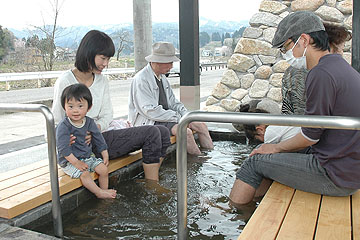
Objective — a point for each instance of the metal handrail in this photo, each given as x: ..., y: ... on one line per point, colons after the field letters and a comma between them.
x: 243, y: 118
x: 50, y: 128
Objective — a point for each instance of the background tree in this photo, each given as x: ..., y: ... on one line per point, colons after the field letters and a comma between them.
x: 121, y: 40
x: 6, y: 42
x: 46, y: 45
x: 215, y: 36
x: 236, y: 35
x: 204, y: 39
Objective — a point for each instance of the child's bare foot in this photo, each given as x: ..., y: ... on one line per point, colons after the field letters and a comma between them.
x: 106, y: 193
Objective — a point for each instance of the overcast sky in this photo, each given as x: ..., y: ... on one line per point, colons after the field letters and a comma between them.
x: 24, y: 13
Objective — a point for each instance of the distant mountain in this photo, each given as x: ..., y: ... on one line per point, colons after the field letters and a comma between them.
x: 69, y: 37
x: 221, y: 27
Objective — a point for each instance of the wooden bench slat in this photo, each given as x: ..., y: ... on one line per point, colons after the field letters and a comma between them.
x: 116, y: 164
x: 267, y: 218
x: 21, y: 170
x: 300, y: 220
x: 37, y: 191
x: 8, y: 183
x: 173, y: 139
x: 25, y: 201
x: 27, y: 185
x: 356, y: 215
x: 334, y: 219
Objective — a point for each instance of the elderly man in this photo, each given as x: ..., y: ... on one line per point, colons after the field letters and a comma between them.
x: 152, y: 101
x: 332, y: 87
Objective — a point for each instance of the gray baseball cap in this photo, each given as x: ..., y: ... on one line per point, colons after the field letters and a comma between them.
x: 295, y: 24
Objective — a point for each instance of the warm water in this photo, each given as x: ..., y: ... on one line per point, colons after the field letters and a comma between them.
x: 144, y: 211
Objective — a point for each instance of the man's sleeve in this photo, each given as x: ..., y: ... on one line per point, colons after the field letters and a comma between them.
x: 174, y: 103
x: 147, y: 105
x: 320, y: 100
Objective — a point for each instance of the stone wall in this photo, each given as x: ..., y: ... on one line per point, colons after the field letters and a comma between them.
x: 255, y: 69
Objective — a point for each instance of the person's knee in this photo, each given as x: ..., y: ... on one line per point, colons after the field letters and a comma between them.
x: 199, y: 127
x: 85, y: 174
x: 152, y: 134
x: 151, y: 160
x: 164, y: 131
x: 241, y: 192
x: 189, y: 133
x: 153, y: 131
x: 101, y: 169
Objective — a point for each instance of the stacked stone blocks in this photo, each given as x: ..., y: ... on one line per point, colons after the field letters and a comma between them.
x: 255, y: 70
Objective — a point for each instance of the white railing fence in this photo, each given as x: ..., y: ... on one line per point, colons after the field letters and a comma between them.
x: 10, y: 77
x: 21, y: 76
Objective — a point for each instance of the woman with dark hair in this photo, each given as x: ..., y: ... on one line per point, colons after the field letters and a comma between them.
x: 92, y: 57
x: 338, y: 35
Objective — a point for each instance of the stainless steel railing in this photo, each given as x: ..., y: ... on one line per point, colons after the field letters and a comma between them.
x: 50, y: 129
x: 243, y: 118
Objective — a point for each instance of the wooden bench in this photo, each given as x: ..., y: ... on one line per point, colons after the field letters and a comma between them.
x: 28, y: 187
x: 286, y: 213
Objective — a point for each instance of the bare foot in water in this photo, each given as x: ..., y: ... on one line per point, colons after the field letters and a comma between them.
x: 154, y: 186
x: 106, y: 193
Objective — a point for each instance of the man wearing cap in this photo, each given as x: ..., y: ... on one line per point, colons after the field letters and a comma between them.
x: 152, y: 101
x: 332, y: 86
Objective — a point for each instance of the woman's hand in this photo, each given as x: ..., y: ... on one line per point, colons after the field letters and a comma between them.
x: 88, y: 138
x: 72, y: 139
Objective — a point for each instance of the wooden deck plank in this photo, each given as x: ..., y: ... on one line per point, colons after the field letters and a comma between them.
x: 34, y: 192
x: 334, y: 219
x: 29, y: 186
x: 300, y: 220
x: 10, y: 182
x: 355, y: 208
x: 266, y: 221
x: 21, y: 170
x: 116, y: 164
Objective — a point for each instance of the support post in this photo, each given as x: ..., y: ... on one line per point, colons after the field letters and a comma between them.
x: 142, y: 32
x: 7, y: 86
x: 355, y: 53
x: 189, y: 53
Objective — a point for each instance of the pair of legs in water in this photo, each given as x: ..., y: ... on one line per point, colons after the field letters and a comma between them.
x: 153, y: 140
x: 200, y: 128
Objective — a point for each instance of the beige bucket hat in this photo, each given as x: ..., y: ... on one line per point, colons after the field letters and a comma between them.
x: 162, y: 52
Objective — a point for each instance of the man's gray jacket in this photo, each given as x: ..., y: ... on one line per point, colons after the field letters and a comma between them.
x: 144, y: 108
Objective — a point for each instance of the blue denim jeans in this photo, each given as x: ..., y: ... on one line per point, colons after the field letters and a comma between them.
x: 296, y: 170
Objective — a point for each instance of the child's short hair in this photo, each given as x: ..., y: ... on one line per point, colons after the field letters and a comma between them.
x: 77, y: 91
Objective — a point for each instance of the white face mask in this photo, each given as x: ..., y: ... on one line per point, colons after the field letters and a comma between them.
x: 293, y: 61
